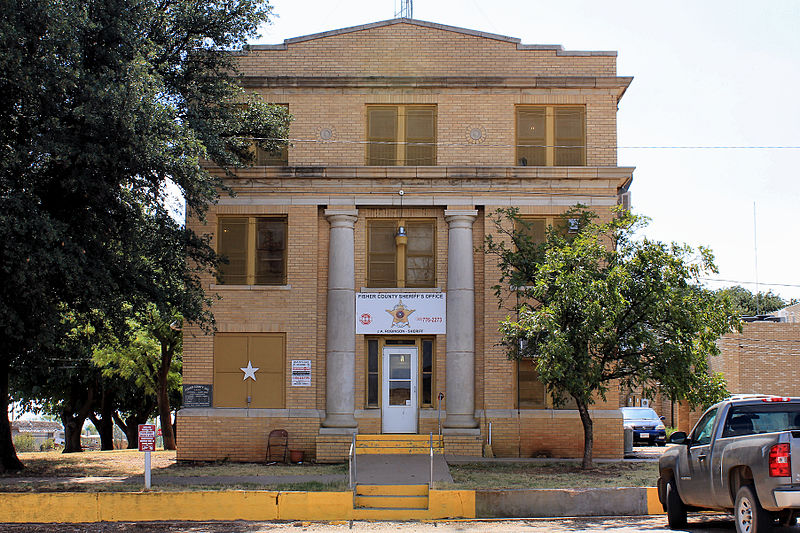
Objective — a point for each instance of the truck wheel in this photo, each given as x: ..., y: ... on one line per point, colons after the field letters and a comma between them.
x: 676, y: 510
x: 748, y: 514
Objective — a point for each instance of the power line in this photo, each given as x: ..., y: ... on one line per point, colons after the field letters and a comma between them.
x: 495, y: 145
x: 750, y: 282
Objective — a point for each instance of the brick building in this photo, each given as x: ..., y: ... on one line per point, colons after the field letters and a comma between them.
x: 348, y: 306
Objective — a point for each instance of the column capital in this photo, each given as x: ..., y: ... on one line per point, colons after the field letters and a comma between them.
x: 465, y: 217
x: 342, y: 218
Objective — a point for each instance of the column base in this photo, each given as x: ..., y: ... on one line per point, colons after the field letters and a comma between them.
x: 460, y: 422
x: 341, y: 421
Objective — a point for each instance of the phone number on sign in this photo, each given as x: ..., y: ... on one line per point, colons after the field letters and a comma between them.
x: 430, y: 319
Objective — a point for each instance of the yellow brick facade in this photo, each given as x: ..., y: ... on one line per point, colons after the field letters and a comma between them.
x: 475, y: 81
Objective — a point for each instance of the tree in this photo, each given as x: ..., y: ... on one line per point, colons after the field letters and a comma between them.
x: 600, y: 307
x: 107, y: 105
x: 745, y: 303
x: 151, y: 357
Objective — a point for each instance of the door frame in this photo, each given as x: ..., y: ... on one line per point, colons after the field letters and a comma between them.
x: 408, y: 414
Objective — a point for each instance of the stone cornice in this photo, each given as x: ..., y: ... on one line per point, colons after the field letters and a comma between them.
x: 424, y: 175
x: 620, y: 83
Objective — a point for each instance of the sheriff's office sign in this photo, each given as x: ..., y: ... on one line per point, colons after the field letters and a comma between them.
x: 394, y: 313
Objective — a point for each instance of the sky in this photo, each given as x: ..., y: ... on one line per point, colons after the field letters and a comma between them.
x: 706, y: 74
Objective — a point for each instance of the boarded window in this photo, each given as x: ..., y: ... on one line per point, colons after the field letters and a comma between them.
x: 382, y: 268
x: 551, y: 136
x: 401, y: 135
x: 569, y: 136
x: 232, y: 245
x: 419, y: 267
x: 530, y: 391
x: 255, y: 250
x: 266, y: 352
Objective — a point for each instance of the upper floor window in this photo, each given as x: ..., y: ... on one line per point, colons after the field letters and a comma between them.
x: 255, y: 248
x: 401, y: 260
x: 551, y: 135
x: 401, y: 135
x: 275, y: 158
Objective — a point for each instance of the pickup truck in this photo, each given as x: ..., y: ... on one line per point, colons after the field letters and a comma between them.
x: 743, y: 457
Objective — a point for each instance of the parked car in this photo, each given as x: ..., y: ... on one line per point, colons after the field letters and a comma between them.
x: 647, y: 426
x: 742, y: 456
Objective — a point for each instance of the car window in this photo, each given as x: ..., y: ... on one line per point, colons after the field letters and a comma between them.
x: 762, y: 418
x: 639, y: 413
x: 702, y: 431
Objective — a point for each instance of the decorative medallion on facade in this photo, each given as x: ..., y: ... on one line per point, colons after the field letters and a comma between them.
x: 476, y: 134
x: 326, y: 133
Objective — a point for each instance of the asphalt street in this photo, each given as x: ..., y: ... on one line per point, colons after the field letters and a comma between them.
x: 650, y: 524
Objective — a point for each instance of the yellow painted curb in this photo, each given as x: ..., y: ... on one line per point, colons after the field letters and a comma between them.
x: 653, y: 504
x: 76, y: 507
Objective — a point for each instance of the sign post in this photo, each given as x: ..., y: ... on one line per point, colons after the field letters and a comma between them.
x: 147, y: 444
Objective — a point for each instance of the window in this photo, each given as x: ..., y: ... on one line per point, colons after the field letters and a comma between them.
x: 425, y: 358
x: 530, y: 391
x: 536, y: 228
x: 401, y: 262
x: 264, y: 352
x: 255, y: 248
x: 702, y: 431
x: 274, y: 158
x: 551, y: 136
x: 401, y: 135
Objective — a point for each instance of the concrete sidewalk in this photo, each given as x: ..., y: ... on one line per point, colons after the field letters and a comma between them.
x: 394, y: 469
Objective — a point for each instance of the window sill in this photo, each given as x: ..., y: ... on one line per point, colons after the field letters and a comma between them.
x: 218, y: 287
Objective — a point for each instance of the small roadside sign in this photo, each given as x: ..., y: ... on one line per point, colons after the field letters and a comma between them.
x: 147, y: 438
x: 147, y: 444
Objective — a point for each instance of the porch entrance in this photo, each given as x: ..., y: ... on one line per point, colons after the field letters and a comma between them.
x: 400, y: 399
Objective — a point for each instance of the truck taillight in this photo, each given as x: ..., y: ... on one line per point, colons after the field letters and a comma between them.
x: 779, y: 461
x: 776, y: 399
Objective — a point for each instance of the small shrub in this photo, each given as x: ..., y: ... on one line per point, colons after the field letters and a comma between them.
x: 24, y: 442
x: 48, y: 445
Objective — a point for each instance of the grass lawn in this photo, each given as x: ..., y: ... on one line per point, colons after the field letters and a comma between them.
x: 56, y: 471
x: 553, y: 475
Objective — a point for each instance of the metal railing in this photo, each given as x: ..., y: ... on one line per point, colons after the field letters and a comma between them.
x: 430, y: 445
x: 351, y: 460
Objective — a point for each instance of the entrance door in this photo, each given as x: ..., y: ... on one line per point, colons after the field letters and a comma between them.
x: 399, y: 390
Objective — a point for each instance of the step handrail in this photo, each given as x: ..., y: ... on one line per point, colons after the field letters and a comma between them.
x: 351, y: 459
x: 430, y: 445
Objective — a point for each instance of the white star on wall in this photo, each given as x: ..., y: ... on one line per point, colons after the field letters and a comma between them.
x: 249, y: 371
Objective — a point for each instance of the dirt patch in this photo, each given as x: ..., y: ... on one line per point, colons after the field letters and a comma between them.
x: 553, y: 475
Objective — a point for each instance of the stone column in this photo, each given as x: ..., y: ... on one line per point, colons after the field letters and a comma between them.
x: 340, y: 377
x: 460, y: 382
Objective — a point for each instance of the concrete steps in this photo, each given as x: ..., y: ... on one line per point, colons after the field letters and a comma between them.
x: 398, y: 444
x: 391, y: 501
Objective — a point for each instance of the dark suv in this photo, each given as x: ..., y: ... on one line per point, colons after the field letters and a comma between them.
x: 647, y: 426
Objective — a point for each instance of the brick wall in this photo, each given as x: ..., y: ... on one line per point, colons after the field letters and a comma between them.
x: 468, y: 175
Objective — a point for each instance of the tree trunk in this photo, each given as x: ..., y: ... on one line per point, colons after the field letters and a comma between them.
x: 8, y: 456
x: 164, y: 411
x: 131, y: 426
x: 105, y: 423
x: 73, y: 422
x: 588, y: 435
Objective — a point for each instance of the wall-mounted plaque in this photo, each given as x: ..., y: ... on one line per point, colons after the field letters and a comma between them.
x: 196, y: 395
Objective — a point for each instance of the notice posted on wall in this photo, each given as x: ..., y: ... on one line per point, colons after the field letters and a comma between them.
x: 301, y: 373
